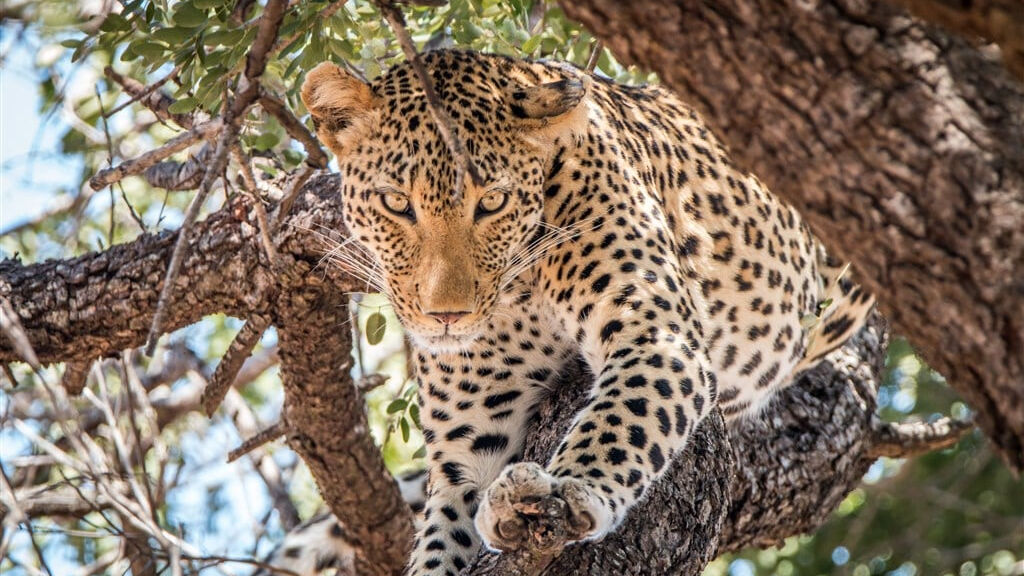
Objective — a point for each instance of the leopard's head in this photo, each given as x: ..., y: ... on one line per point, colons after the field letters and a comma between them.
x: 444, y: 261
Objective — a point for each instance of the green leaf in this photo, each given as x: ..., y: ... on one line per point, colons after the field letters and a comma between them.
x: 376, y: 325
x: 188, y: 15
x: 148, y: 49
x: 71, y: 43
x: 397, y: 405
x: 173, y: 35
x: 183, y: 106
x: 266, y: 141
x: 823, y: 305
x: 414, y: 413
x: 204, y: 4
x: 293, y: 157
x: 420, y: 452
x: 223, y: 37
x: 404, y: 425
x: 530, y: 45
x: 115, y: 23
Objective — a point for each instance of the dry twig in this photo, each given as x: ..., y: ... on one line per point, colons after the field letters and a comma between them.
x: 240, y: 349
x: 464, y: 164
x: 225, y: 141
x: 262, y: 437
x: 907, y: 439
x: 185, y: 175
x: 249, y: 181
x: 276, y: 108
x: 138, y: 164
x: 149, y: 96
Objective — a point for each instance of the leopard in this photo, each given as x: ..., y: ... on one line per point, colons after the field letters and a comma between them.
x: 598, y: 221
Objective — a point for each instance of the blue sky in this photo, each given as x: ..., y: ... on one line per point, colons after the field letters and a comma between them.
x: 32, y: 170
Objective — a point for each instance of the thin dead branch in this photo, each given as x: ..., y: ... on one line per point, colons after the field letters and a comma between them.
x: 276, y: 107
x: 140, y: 163
x: 908, y: 439
x: 240, y: 349
x: 298, y: 180
x: 185, y: 175
x: 464, y: 164
x: 252, y: 189
x: 264, y: 436
x: 74, y: 377
x: 149, y: 96
x: 595, y: 55
x: 227, y: 137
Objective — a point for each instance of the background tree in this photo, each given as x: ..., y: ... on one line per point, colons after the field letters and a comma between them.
x: 130, y: 474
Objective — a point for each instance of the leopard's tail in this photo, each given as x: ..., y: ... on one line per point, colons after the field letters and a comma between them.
x: 842, y: 308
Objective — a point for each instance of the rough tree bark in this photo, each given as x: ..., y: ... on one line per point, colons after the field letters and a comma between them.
x: 785, y: 474
x: 902, y: 145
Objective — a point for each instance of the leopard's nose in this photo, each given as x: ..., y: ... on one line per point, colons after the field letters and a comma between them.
x: 448, y: 317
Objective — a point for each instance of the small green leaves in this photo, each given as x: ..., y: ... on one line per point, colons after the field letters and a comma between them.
x: 376, y: 325
x: 183, y: 106
x: 808, y: 321
x: 397, y: 405
x: 403, y: 424
x: 823, y: 305
x: 188, y: 15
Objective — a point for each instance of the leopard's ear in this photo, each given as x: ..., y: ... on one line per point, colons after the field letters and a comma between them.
x: 548, y: 98
x: 343, y: 107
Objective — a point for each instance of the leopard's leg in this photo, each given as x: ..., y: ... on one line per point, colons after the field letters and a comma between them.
x: 640, y: 331
x: 475, y: 407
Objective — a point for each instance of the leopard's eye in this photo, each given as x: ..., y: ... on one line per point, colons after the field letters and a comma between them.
x: 491, y: 203
x: 397, y: 204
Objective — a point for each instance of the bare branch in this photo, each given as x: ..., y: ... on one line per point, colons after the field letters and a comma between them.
x: 464, y: 164
x: 256, y: 60
x: 74, y: 377
x: 185, y: 175
x: 249, y: 180
x: 240, y: 349
x: 149, y: 96
x: 138, y: 164
x: 75, y: 308
x: 595, y: 55
x: 268, y: 435
x: 224, y: 143
x: 276, y: 108
x: 11, y: 327
x: 907, y: 439
x: 298, y: 180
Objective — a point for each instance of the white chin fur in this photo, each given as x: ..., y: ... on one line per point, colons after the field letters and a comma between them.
x: 444, y: 344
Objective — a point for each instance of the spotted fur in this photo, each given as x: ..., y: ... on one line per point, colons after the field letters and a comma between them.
x: 611, y: 224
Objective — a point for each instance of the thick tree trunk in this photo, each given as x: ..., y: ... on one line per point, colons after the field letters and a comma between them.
x: 902, y: 146
x: 786, y: 472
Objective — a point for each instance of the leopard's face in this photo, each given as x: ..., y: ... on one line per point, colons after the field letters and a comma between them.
x: 445, y: 262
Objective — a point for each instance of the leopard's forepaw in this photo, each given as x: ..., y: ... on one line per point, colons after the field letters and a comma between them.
x: 528, y: 506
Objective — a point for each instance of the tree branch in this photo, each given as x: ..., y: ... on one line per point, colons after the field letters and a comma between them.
x: 276, y: 108
x: 901, y: 145
x: 1001, y: 21
x: 907, y: 439
x: 443, y: 122
x: 136, y: 165
x: 100, y: 303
